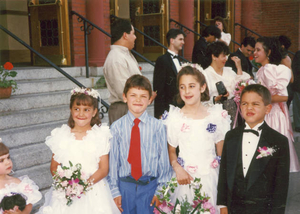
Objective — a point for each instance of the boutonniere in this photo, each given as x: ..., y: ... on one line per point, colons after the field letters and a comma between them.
x: 265, y: 152
x: 185, y: 128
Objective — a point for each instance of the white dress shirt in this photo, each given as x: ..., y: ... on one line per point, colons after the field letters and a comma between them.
x: 175, y: 60
x: 249, y: 146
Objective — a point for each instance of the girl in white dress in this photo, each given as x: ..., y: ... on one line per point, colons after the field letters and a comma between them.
x: 198, y: 129
x: 10, y: 186
x: 82, y: 141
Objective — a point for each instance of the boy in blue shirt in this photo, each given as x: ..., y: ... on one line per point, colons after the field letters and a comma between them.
x: 139, y: 160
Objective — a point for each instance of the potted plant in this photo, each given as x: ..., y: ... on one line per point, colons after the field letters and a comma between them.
x: 7, y: 86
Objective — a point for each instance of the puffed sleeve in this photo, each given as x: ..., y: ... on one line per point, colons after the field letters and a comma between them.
x: 275, y: 78
x: 169, y: 119
x: 104, y: 136
x: 59, y: 141
x: 222, y: 120
x: 28, y: 188
x: 226, y: 37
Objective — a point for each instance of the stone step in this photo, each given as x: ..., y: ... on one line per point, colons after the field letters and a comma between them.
x: 50, y: 85
x: 29, y: 73
x: 31, y: 101
x: 33, y: 116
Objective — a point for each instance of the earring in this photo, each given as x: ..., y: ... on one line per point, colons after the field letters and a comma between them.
x: 12, y: 172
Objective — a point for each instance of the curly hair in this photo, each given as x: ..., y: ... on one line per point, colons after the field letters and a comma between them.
x: 272, y: 45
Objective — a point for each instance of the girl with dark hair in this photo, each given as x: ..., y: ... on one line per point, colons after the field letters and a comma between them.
x: 83, y: 141
x: 220, y: 23
x: 276, y: 78
x: 217, y: 72
x: 198, y: 128
x: 17, y: 195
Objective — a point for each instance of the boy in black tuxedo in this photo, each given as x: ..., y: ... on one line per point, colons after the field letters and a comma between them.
x: 254, y: 171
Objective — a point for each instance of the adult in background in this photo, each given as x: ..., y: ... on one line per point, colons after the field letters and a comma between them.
x: 285, y: 43
x: 246, y: 50
x: 165, y: 73
x: 225, y: 37
x: 119, y: 65
x: 209, y: 35
x: 217, y: 55
x: 296, y: 88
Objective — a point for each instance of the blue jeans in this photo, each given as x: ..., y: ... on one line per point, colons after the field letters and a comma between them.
x: 136, y: 198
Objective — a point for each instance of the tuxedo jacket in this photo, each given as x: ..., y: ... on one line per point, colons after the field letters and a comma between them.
x: 199, y: 53
x: 267, y: 177
x: 164, y: 83
x: 296, y: 72
x: 246, y: 64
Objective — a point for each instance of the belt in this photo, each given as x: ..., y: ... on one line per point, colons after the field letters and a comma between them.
x: 139, y: 182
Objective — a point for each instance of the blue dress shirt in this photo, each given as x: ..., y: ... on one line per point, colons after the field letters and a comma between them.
x: 154, y: 151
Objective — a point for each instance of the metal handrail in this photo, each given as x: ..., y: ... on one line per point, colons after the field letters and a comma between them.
x: 54, y: 66
x: 149, y: 37
x: 87, y: 29
x: 183, y: 26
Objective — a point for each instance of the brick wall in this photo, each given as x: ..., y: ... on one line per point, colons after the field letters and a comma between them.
x: 174, y: 12
x: 269, y: 18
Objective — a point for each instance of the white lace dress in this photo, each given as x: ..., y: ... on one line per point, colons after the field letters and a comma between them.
x: 196, y: 140
x: 26, y: 187
x: 87, y: 152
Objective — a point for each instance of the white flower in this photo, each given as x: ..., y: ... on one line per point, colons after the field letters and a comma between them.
x: 243, y: 84
x: 0, y: 140
x: 68, y: 173
x: 91, y: 92
x: 177, y: 209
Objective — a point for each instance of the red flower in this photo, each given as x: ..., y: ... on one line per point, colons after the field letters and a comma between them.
x: 8, y: 66
x: 140, y: 68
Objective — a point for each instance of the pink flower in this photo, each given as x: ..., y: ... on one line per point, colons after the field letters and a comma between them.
x: 192, y: 169
x: 164, y: 207
x: 76, y: 181
x: 185, y: 127
x: 224, y: 114
x: 210, y: 207
x: 28, y: 189
x: 64, y: 183
x: 215, y: 163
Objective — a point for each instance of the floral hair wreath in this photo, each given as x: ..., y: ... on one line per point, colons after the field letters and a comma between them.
x: 86, y: 91
x: 193, y: 65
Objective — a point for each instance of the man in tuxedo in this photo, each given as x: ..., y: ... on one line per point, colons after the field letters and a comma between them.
x: 165, y: 73
x: 246, y: 50
x: 209, y: 35
x: 251, y: 180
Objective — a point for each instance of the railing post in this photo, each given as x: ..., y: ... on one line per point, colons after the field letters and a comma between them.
x: 86, y: 49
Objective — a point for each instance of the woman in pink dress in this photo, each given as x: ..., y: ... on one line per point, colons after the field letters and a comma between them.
x: 276, y: 77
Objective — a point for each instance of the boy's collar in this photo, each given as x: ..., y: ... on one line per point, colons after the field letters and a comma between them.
x: 143, y: 117
x: 255, y: 127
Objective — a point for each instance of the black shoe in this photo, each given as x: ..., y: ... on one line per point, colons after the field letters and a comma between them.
x: 297, y: 129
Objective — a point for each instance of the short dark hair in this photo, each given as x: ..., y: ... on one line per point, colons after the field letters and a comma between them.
x: 9, y: 202
x: 220, y: 19
x: 138, y: 81
x: 260, y: 90
x: 193, y: 71
x: 249, y: 40
x: 285, y: 41
x: 87, y: 100
x: 173, y: 33
x: 216, y: 48
x: 118, y: 28
x: 4, y: 150
x: 272, y: 44
x: 212, y: 30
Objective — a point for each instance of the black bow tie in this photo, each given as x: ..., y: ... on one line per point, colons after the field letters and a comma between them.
x: 175, y: 56
x: 254, y: 131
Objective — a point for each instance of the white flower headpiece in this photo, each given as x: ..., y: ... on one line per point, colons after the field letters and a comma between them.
x: 91, y: 92
x: 193, y: 65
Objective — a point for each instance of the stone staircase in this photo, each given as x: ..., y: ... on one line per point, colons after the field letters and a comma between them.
x: 40, y: 104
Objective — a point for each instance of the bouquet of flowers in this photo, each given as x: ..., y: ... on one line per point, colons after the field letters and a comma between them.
x: 200, y: 202
x: 71, y: 182
x: 239, y: 88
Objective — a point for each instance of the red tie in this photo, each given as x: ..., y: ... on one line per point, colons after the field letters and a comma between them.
x: 134, y: 156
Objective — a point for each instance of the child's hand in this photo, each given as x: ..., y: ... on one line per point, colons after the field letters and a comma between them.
x: 118, y: 201
x: 182, y: 176
x: 155, y: 201
x: 224, y: 210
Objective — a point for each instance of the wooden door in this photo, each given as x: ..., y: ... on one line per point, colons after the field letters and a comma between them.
x: 149, y: 16
x: 207, y: 10
x: 49, y: 24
